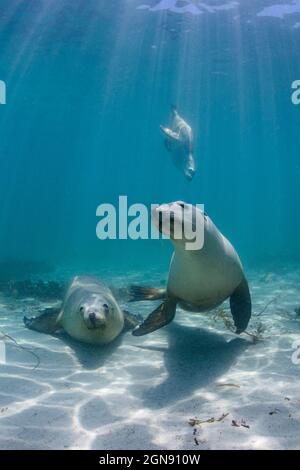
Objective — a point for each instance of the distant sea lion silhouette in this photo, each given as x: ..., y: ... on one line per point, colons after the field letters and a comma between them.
x: 179, y: 142
x: 199, y: 280
x: 89, y: 313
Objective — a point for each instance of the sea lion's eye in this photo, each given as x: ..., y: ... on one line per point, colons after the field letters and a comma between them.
x: 81, y: 310
x: 105, y: 306
x: 181, y: 204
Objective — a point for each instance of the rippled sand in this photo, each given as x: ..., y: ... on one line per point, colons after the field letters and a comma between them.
x: 140, y: 393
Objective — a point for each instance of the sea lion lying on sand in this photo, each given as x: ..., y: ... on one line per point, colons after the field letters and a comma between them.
x: 89, y: 313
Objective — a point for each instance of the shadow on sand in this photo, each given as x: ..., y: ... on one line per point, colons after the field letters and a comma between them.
x: 194, y: 358
x: 90, y: 356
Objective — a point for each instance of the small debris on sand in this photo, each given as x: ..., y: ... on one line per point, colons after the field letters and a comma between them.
x: 197, y: 440
x: 243, y: 424
x: 274, y: 412
x: 6, y: 337
x: 198, y: 422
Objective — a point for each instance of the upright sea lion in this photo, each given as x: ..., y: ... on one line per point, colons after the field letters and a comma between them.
x: 199, y: 279
x: 89, y: 313
x: 179, y: 142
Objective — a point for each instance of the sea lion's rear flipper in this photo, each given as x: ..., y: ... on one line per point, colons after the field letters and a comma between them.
x: 47, y: 322
x: 190, y: 167
x: 160, y: 317
x: 138, y: 293
x: 189, y: 173
x: 169, y: 133
x: 240, y: 305
x: 131, y: 321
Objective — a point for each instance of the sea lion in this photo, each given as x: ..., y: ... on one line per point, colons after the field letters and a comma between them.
x: 179, y: 142
x: 89, y: 313
x: 199, y: 280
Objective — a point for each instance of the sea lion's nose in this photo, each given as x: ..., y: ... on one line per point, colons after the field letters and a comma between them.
x: 92, y: 317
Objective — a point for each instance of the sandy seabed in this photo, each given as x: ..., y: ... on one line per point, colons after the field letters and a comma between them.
x: 141, y: 393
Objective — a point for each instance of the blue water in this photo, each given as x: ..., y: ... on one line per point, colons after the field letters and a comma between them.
x: 89, y: 82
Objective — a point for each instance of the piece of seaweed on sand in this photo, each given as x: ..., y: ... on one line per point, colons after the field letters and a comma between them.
x: 256, y: 334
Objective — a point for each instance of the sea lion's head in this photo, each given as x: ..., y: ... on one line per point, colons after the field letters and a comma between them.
x: 97, y: 313
x: 183, y: 223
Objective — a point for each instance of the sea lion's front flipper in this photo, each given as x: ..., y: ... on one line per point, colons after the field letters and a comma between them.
x: 240, y: 305
x: 131, y: 321
x: 47, y: 322
x: 138, y: 293
x: 160, y: 317
x: 169, y: 133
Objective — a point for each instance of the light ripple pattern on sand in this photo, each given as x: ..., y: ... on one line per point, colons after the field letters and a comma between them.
x: 139, y: 393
